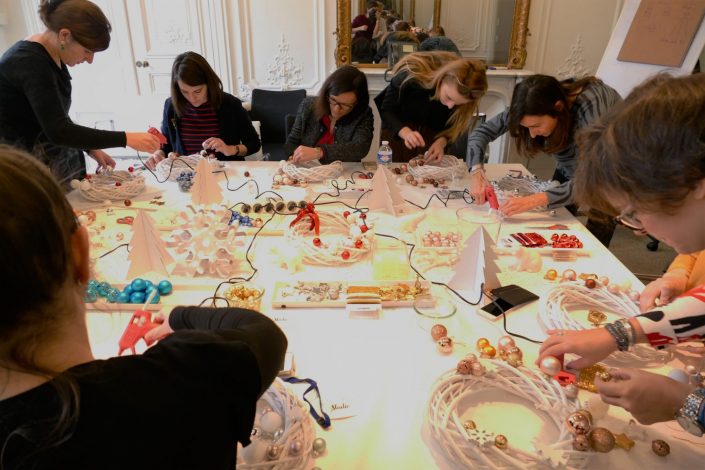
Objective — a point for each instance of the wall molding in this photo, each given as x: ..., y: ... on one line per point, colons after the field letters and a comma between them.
x: 283, y: 71
x: 574, y: 65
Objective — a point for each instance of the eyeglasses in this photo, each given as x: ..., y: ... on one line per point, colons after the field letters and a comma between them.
x: 348, y: 107
x: 630, y: 221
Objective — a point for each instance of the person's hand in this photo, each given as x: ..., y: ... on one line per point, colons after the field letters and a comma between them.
x: 103, y: 159
x: 160, y: 332
x: 649, y: 397
x: 478, y: 183
x: 436, y: 151
x: 591, y: 345
x: 155, y: 158
x: 142, y: 141
x: 412, y: 139
x: 517, y: 205
x: 664, y: 290
x: 305, y: 154
x: 218, y: 145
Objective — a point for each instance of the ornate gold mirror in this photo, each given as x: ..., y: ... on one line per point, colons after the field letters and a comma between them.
x: 491, y: 30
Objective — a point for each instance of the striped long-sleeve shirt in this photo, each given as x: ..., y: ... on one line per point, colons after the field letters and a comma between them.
x: 594, y: 100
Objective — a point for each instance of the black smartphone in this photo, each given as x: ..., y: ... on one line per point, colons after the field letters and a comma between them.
x: 506, y: 298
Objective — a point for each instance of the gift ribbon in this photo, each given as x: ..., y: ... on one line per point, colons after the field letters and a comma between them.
x: 323, y: 419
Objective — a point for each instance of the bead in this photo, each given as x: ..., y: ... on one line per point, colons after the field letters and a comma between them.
x: 127, y: 202
x: 578, y: 423
x: 590, y: 283
x: 569, y: 275
x: 247, y: 174
x: 346, y: 214
x: 363, y: 228
x: 550, y: 366
x: 270, y: 421
x: 316, y: 241
x: 345, y: 255
x: 273, y: 451
x: 444, y: 345
x: 363, y: 216
x: 131, y: 169
x: 469, y: 425
x: 438, y: 332
x: 319, y: 445
x: 571, y: 391
x: 505, y: 342
x: 488, y: 352
x: 464, y: 367
x: 613, y: 289
x: 660, y: 447
x: 118, y: 184
x: 138, y: 285
x: 165, y: 287
x: 581, y: 443
x: 500, y: 441
x: 482, y: 343
x: 601, y: 439
x: 358, y: 244
x: 296, y: 447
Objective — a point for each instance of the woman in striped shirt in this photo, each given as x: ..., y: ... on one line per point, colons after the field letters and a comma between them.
x: 200, y: 115
x: 646, y: 162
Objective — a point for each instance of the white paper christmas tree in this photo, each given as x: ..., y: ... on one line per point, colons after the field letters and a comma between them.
x: 476, y: 266
x: 205, y: 189
x: 385, y: 195
x: 148, y: 252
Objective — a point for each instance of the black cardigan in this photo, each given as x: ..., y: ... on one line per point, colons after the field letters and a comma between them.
x: 353, y: 134
x: 233, y: 121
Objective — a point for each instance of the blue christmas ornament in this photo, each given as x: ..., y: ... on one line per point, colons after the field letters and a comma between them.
x: 139, y: 285
x: 165, y: 287
x: 128, y: 289
x: 123, y: 298
x: 137, y: 298
x: 91, y: 296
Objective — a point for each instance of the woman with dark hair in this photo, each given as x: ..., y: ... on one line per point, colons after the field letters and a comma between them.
x: 544, y: 116
x: 194, y: 393
x: 35, y: 91
x: 430, y: 102
x: 645, y: 163
x: 335, y: 125
x: 200, y: 115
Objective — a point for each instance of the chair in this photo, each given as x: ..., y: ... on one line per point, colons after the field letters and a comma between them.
x: 270, y: 108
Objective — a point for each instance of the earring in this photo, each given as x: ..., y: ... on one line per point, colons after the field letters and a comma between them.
x: 62, y: 45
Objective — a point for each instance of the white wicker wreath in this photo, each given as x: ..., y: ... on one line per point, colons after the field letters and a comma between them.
x: 449, y: 167
x: 110, y: 185
x: 170, y: 168
x: 475, y: 448
x: 337, y: 234
x: 312, y: 171
x: 293, y: 441
x: 557, y: 302
x: 523, y: 185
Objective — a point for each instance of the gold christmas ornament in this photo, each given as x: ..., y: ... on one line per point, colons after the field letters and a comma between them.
x: 623, y: 442
x: 501, y: 441
x: 596, y: 317
x: 660, y: 447
x: 601, y: 439
x: 469, y: 424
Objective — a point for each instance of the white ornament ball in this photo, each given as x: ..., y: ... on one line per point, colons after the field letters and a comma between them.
x: 270, y: 422
x: 571, y: 391
x: 550, y: 365
x: 75, y: 184
x: 85, y: 185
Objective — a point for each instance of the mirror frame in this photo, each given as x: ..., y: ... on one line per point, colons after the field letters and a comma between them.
x: 517, y: 47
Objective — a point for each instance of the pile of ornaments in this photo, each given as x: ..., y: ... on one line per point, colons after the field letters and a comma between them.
x: 185, y: 181
x: 436, y: 239
x: 593, y: 281
x: 136, y: 292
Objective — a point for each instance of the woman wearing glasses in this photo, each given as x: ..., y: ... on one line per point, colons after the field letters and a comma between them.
x: 622, y: 171
x: 429, y: 103
x: 335, y: 125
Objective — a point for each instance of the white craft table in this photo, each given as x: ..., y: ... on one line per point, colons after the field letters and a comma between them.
x: 384, y: 369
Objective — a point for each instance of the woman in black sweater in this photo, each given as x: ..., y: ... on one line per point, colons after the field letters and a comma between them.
x: 35, y: 91
x: 184, y: 403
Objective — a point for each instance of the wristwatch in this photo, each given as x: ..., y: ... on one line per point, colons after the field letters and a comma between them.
x: 688, y: 415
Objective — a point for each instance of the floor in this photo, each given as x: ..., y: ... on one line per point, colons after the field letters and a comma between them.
x: 629, y: 248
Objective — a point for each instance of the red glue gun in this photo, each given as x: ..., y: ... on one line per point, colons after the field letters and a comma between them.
x: 158, y: 135
x: 139, y: 325
x: 491, y: 197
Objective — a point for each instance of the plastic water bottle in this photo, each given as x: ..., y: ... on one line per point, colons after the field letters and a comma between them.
x: 384, y: 154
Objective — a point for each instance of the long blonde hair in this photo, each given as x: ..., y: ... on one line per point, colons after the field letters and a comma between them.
x: 430, y: 69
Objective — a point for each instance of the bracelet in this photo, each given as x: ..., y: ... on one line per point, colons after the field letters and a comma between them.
x: 631, y: 332
x: 701, y: 411
x: 619, y: 334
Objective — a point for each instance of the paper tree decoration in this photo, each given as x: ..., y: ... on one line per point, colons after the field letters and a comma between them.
x: 148, y: 252
x: 385, y: 195
x: 205, y: 189
x: 476, y: 265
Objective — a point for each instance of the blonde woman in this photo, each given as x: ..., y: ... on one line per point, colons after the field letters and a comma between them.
x: 429, y: 103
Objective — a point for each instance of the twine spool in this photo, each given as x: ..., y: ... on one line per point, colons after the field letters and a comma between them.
x: 448, y: 168
x: 297, y: 426
x: 556, y: 304
x: 110, y: 185
x: 475, y: 448
x: 335, y: 237
x: 312, y: 171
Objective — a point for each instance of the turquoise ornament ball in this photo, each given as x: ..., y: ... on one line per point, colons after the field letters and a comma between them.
x: 91, y: 296
x: 137, y: 298
x: 123, y: 298
x: 165, y: 287
x: 139, y: 285
x: 128, y: 289
x: 155, y: 299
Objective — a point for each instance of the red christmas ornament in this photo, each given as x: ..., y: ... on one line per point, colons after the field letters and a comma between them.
x: 345, y: 255
x: 130, y: 169
x: 317, y: 241
x: 346, y: 214
x: 363, y: 228
x: 128, y: 202
x: 358, y: 243
x: 118, y: 184
x: 247, y: 174
x: 363, y: 216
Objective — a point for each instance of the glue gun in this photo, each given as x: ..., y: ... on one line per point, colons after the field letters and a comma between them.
x: 491, y: 197
x: 139, y: 325
x: 158, y: 135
